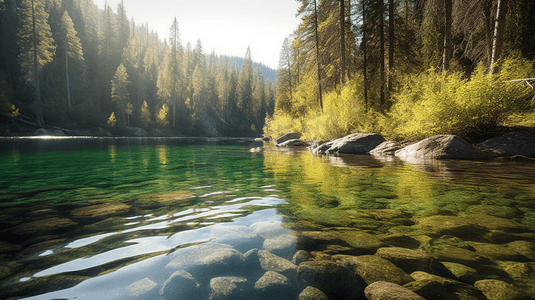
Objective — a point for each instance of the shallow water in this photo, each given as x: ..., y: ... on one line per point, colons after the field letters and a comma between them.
x: 87, y: 218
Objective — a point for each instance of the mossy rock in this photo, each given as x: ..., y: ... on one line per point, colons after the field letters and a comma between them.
x: 401, y: 240
x: 453, y: 289
x: 498, y: 290
x: 507, y: 252
x: 373, y: 268
x: 312, y: 293
x: 500, y: 211
x: 174, y: 198
x: 407, y: 259
x: 364, y: 243
x: 461, y: 272
x: 522, y: 273
x: 43, y: 227
x: 100, y: 211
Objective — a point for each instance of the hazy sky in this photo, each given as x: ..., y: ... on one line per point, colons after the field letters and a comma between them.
x: 226, y: 26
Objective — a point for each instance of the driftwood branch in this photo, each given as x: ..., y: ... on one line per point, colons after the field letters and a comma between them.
x: 526, y: 80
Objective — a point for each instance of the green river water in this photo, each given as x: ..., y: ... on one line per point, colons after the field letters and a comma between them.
x: 87, y: 218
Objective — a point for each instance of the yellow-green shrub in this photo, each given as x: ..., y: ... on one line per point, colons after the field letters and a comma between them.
x: 432, y: 103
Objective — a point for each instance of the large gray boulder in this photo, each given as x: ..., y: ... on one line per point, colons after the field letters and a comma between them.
x: 282, y: 245
x: 382, y: 290
x: 513, y: 143
x: 312, y: 293
x: 441, y: 146
x: 356, y: 143
x: 287, y: 136
x: 373, y: 268
x: 273, y: 285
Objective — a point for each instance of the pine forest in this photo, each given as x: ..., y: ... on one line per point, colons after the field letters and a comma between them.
x: 403, y: 68
x: 68, y: 63
x: 407, y: 69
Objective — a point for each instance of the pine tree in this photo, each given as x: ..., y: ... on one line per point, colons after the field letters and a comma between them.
x: 245, y: 91
x: 119, y: 90
x: 73, y: 50
x: 36, y: 45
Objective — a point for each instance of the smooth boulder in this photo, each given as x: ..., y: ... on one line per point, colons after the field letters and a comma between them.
x: 513, y: 143
x: 287, y: 136
x: 382, y: 290
x: 294, y: 143
x: 229, y: 287
x: 356, y: 143
x: 386, y: 148
x: 441, y: 146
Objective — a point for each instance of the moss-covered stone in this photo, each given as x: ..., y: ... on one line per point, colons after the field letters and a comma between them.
x: 407, y: 259
x: 498, y: 290
x: 522, y: 273
x: 452, y: 289
x: 382, y: 290
x: 373, y: 268
x: 312, y: 293
x: 42, y: 227
x: 100, y: 211
x: 335, y: 280
x: 506, y: 252
x: 461, y: 272
x: 401, y: 240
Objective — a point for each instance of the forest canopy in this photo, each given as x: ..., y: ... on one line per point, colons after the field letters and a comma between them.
x: 69, y: 63
x: 406, y: 68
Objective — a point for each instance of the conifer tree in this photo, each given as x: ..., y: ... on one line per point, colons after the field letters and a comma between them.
x: 119, y: 90
x: 36, y: 45
x: 73, y: 50
x: 245, y: 91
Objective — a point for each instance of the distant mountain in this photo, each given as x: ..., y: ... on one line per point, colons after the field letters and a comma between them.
x: 267, y: 72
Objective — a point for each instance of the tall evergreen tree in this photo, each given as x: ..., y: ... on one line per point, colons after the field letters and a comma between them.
x: 73, y: 50
x: 37, y: 48
x: 245, y: 92
x: 119, y: 90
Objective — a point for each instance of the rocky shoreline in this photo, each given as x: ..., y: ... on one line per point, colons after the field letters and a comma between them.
x: 517, y: 144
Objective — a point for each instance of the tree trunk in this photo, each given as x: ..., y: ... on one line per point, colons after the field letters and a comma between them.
x: 38, y: 103
x: 67, y: 75
x: 174, y: 112
x: 497, y: 41
x: 390, y: 44
x: 382, y: 52
x: 316, y: 37
x: 342, y: 43
x: 364, y: 54
x: 447, y: 35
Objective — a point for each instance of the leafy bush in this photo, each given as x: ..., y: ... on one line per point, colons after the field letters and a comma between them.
x: 432, y: 103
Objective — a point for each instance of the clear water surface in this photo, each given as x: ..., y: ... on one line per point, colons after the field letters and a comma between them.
x: 101, y: 218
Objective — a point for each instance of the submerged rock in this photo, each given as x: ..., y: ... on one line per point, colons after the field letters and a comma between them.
x: 141, y: 287
x: 287, y: 136
x: 211, y: 259
x: 242, y: 238
x: 433, y: 287
x: 461, y: 272
x: 272, y: 262
x: 407, y: 259
x: 335, y: 280
x: 441, y: 146
x: 373, y: 268
x: 382, y: 290
x: 356, y: 143
x: 312, y: 293
x: 498, y: 290
x: 513, y: 143
x: 100, y: 211
x: 229, y: 287
x: 282, y: 245
x: 180, y: 283
x: 42, y: 227
x: 272, y: 282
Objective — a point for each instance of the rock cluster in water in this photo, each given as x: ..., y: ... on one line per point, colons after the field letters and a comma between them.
x: 443, y: 146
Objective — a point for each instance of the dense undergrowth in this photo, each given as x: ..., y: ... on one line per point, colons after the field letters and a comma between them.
x: 424, y: 104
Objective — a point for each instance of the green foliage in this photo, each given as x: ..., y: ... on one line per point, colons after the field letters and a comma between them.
x: 7, y: 109
x: 432, y: 103
x: 119, y: 83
